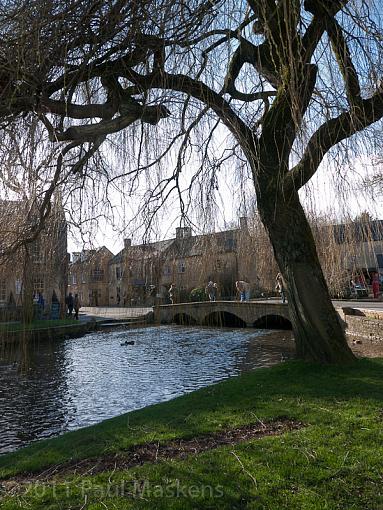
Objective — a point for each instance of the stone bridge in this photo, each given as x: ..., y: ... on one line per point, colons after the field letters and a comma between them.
x: 259, y: 314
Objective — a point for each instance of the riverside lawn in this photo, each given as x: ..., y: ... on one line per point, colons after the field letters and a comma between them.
x: 333, y: 462
x: 36, y: 324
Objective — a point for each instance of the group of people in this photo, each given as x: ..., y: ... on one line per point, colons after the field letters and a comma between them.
x: 243, y: 289
x: 72, y: 304
x: 39, y: 299
x: 375, y: 280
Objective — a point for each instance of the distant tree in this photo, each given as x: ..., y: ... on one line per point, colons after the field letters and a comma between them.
x: 198, y: 294
x: 289, y: 80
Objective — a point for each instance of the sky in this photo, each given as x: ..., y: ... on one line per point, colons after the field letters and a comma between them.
x: 326, y: 194
x: 335, y: 191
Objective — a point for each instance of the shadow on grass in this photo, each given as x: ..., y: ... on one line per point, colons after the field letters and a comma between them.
x: 311, y: 393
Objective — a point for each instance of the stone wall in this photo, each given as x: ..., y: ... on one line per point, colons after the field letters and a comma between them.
x: 365, y: 327
x: 363, y: 323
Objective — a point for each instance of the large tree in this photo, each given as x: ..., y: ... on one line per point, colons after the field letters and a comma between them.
x: 289, y: 80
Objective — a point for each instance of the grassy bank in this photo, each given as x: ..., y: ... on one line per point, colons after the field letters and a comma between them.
x: 333, y: 462
x: 37, y: 324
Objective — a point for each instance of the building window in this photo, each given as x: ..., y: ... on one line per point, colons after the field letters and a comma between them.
x: 167, y: 271
x: 379, y: 258
x: 230, y: 244
x: 97, y: 274
x: 83, y: 278
x: 74, y: 279
x: 181, y: 266
x: 35, y: 252
x: 218, y: 265
x: 118, y: 273
x: 38, y: 285
x: 3, y: 291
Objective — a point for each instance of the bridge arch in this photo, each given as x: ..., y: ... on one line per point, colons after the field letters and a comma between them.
x: 225, y: 313
x: 223, y: 319
x: 184, y: 319
x: 272, y: 321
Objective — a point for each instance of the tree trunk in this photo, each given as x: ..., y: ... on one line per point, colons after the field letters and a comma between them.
x: 318, y: 333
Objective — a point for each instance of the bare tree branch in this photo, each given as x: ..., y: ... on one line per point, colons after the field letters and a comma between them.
x: 329, y: 134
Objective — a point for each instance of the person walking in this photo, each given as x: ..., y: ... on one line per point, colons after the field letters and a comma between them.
x: 76, y: 305
x: 172, y: 293
x: 69, y: 303
x: 211, y: 290
x: 243, y: 288
x: 375, y: 285
x: 41, y: 300
x: 279, y: 286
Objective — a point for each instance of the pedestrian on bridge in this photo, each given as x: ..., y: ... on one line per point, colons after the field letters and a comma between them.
x: 280, y: 287
x: 172, y: 293
x: 211, y: 290
x: 243, y: 288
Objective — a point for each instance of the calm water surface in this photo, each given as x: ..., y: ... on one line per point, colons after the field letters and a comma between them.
x: 64, y: 385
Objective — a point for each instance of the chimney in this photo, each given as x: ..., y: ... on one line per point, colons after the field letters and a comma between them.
x: 76, y: 256
x: 127, y: 243
x: 182, y: 232
x: 243, y: 223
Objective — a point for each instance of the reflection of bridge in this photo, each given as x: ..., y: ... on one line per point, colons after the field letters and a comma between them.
x: 225, y: 313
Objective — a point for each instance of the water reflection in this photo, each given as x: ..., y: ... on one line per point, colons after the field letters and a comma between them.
x: 32, y: 383
x: 73, y: 383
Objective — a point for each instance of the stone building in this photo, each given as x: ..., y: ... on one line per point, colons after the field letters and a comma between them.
x: 191, y: 261
x: 89, y: 276
x: 361, y: 246
x: 35, y: 268
x: 135, y: 273
x: 142, y: 273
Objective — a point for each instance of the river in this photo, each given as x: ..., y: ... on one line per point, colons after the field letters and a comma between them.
x: 53, y: 387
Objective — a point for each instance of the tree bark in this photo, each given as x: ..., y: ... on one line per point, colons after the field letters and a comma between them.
x: 318, y: 332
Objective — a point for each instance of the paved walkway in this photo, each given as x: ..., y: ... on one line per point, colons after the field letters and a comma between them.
x: 113, y: 313
x: 123, y: 313
x: 365, y: 304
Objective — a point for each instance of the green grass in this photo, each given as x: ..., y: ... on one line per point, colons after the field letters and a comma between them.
x: 37, y: 324
x: 335, y: 462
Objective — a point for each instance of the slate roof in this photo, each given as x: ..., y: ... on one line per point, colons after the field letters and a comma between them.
x: 143, y: 250
x: 191, y: 246
x: 90, y: 255
x: 220, y: 242
x: 358, y: 231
